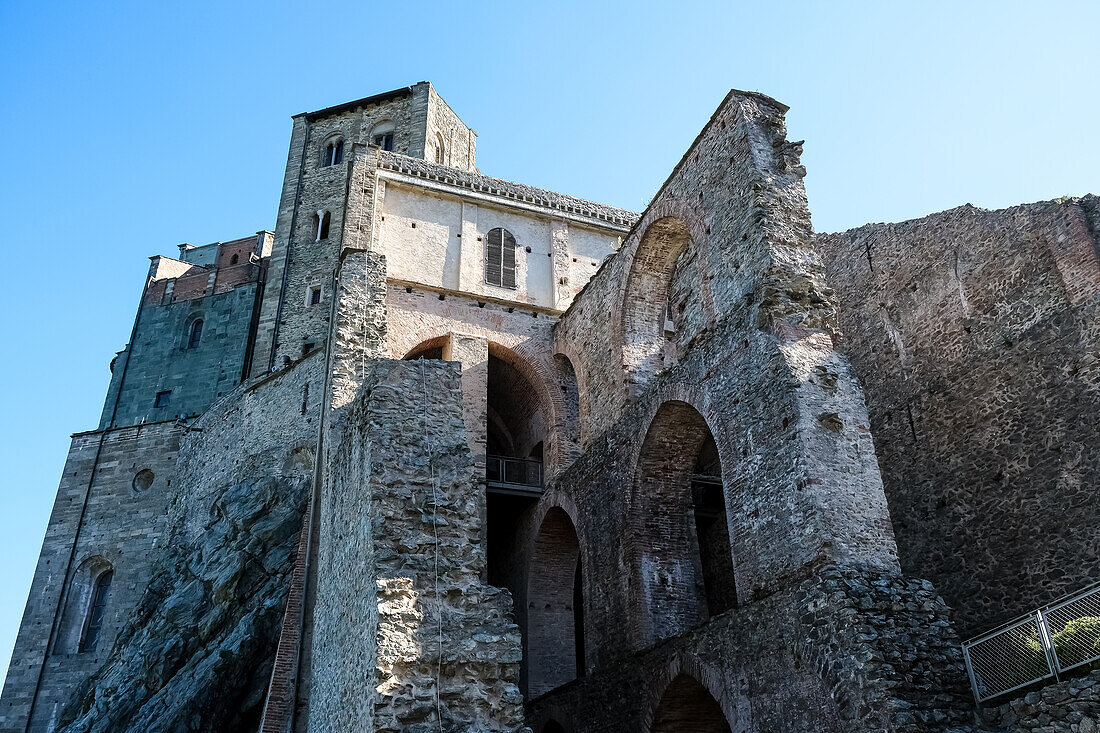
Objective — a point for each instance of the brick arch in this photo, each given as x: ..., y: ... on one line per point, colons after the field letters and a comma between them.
x: 667, y: 229
x: 662, y: 534
x: 539, y: 375
x: 435, y: 342
x: 691, y: 696
x: 551, y: 615
x: 532, y: 358
x: 575, y: 412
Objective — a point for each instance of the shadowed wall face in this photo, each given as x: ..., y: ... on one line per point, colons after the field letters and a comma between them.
x: 975, y: 335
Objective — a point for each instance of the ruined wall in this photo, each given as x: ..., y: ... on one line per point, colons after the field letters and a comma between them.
x: 98, y: 513
x: 406, y: 634
x: 420, y: 315
x: 975, y: 334
x: 808, y: 526
x: 839, y: 652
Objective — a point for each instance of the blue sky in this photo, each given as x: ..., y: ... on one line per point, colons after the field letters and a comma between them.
x: 132, y: 127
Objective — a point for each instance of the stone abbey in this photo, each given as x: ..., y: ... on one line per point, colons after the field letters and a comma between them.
x: 445, y: 452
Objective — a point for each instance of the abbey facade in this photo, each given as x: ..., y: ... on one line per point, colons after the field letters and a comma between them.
x: 445, y: 452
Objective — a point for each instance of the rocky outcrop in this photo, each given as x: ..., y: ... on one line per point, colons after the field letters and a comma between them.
x: 197, y: 653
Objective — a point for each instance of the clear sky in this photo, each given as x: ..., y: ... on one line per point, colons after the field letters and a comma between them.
x: 131, y: 127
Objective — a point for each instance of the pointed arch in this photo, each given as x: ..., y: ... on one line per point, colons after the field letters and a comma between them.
x: 687, y: 705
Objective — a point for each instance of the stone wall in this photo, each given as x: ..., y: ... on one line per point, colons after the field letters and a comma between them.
x: 99, y: 514
x: 840, y: 652
x: 406, y: 634
x: 1070, y: 706
x: 210, y: 603
x: 976, y: 336
x: 459, y: 141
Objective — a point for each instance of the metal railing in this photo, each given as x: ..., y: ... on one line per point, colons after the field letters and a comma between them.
x: 1045, y: 643
x: 513, y: 475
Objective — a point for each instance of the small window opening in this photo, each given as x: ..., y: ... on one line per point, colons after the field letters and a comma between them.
x: 194, y: 336
x: 163, y: 398
x: 439, y: 153
x: 384, y: 140
x: 307, y: 348
x: 334, y: 153
x: 234, y: 259
x: 143, y: 480
x: 500, y: 258
x: 96, y: 611
x: 315, y: 295
x: 321, y: 222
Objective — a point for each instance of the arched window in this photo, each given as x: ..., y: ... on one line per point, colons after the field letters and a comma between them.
x: 85, y: 602
x: 500, y: 258
x: 194, y: 334
x: 382, y: 135
x: 334, y: 152
x: 94, y: 622
x: 234, y: 259
x: 321, y: 222
x: 439, y: 151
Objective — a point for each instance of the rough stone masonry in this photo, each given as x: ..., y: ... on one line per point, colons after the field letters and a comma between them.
x: 445, y: 452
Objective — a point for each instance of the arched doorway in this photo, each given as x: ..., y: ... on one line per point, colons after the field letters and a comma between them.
x: 679, y: 526
x: 555, y: 606
x: 687, y: 706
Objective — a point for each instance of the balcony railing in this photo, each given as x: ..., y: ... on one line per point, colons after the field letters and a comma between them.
x: 1046, y: 643
x: 513, y: 475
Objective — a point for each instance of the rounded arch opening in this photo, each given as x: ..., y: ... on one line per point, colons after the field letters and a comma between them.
x: 679, y: 526
x: 573, y: 417
x: 555, y: 606
x: 433, y: 348
x: 687, y: 705
x: 382, y: 134
x: 84, y: 615
x: 661, y: 293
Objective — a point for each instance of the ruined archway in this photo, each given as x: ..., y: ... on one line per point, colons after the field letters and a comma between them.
x: 573, y: 414
x: 555, y: 606
x: 678, y: 526
x: 665, y: 300
x: 687, y: 705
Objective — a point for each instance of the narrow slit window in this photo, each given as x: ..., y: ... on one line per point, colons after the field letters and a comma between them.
x: 315, y: 295
x: 500, y: 258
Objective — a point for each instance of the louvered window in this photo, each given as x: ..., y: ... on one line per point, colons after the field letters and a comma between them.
x: 500, y: 258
